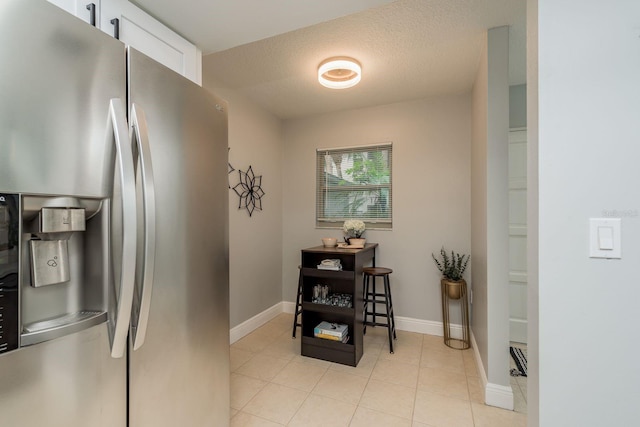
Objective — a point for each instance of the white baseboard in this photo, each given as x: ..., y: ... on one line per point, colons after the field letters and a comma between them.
x: 250, y: 325
x: 479, y: 365
x: 429, y: 327
x: 499, y: 395
x: 288, y: 307
x: 494, y: 395
x: 408, y: 324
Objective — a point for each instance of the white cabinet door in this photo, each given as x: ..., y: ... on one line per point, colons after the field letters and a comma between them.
x: 87, y: 10
x: 68, y: 5
x: 136, y: 28
x: 518, y: 235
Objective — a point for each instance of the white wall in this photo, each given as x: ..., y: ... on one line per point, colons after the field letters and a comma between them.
x: 533, y: 342
x: 480, y: 306
x: 490, y: 207
x: 589, y: 150
x: 431, y: 191
x: 431, y: 196
x: 254, y: 242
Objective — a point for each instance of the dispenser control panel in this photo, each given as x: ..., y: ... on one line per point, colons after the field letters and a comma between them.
x: 9, y: 250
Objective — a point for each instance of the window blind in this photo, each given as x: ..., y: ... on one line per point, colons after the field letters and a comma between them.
x: 354, y: 183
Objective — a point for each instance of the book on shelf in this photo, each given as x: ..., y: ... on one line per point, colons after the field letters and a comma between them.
x: 343, y: 340
x: 337, y: 330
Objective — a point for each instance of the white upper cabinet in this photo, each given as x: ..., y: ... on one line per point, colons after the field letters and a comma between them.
x: 136, y: 28
x: 68, y: 5
x: 87, y: 10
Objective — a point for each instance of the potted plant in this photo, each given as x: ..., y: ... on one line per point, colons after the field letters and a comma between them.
x: 452, y: 268
x: 353, y: 230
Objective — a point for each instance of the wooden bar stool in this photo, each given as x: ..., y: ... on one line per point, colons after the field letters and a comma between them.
x: 372, y: 297
x: 298, y: 322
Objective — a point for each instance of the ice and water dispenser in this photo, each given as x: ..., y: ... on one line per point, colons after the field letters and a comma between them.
x: 53, y: 227
x: 53, y: 267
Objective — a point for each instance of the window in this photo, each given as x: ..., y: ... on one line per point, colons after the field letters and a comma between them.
x: 354, y: 183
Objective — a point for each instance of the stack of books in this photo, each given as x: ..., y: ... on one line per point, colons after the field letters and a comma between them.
x: 332, y: 331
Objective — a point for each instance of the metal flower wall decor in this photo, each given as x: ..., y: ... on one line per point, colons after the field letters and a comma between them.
x: 231, y: 168
x: 249, y: 189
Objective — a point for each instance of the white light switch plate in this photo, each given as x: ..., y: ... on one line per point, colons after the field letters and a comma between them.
x: 605, y: 238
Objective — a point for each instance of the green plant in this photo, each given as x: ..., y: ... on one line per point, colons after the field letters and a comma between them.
x: 452, y: 267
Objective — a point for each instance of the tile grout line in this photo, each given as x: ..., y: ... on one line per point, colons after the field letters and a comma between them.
x: 365, y: 386
x: 415, y: 395
x: 309, y: 393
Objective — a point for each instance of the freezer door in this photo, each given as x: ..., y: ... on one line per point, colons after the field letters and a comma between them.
x: 180, y: 375
x: 57, y: 77
x: 71, y: 382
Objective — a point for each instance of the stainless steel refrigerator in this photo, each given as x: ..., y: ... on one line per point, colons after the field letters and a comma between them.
x: 113, y: 232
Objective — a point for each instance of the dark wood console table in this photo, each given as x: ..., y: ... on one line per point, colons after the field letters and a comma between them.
x: 347, y: 281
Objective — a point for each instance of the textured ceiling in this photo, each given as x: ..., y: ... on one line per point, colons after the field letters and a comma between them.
x: 408, y: 49
x: 215, y: 25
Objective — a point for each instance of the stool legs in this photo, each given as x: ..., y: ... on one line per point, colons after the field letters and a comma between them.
x: 368, y: 297
x: 390, y: 316
x: 365, y: 298
x: 298, y: 310
x: 371, y: 296
x: 390, y: 319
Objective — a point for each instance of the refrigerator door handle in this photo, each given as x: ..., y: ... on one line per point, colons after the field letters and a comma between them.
x: 119, y: 327
x: 145, y: 173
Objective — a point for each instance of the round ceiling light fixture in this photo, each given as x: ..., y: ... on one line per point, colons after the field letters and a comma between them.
x: 339, y: 72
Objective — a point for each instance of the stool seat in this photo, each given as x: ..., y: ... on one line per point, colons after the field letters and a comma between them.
x: 377, y: 271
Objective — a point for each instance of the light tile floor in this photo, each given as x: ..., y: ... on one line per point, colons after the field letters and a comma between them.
x: 424, y: 383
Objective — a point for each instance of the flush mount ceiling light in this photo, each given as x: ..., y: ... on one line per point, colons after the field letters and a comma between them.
x: 339, y: 72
